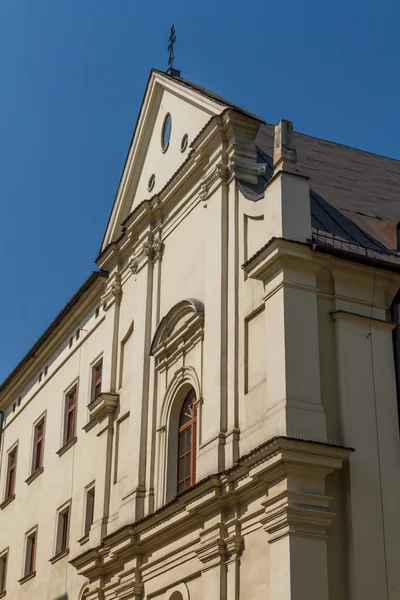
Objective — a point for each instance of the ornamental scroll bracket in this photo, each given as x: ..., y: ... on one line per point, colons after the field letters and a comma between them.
x: 151, y: 250
x: 220, y: 172
x: 113, y: 293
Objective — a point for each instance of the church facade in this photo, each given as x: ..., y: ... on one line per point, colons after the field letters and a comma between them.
x: 214, y: 414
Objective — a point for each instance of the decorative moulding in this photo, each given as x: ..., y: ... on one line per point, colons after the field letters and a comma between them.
x: 67, y: 446
x: 179, y: 330
x: 33, y: 475
x: 59, y: 556
x: 90, y: 424
x: 105, y: 404
x: 27, y: 577
x: 180, y: 589
x: 84, y: 539
x: 150, y: 250
x: 7, y: 501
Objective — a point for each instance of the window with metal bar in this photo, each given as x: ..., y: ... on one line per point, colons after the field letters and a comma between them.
x: 187, y: 443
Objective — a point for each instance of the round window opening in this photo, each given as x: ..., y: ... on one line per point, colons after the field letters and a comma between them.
x: 166, y: 133
x: 184, y: 142
x: 151, y: 183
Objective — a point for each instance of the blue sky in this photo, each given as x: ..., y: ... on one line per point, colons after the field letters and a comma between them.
x: 72, y: 79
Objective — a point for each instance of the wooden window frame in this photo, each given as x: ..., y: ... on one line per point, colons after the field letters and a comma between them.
x: 30, y: 553
x: 38, y: 445
x: 11, y: 472
x: 63, y: 525
x: 3, y: 569
x: 70, y: 414
x: 96, y: 380
x: 191, y: 426
x: 89, y: 508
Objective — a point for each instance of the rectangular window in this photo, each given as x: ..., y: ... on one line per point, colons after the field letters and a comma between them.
x: 38, y: 446
x: 63, y: 530
x: 3, y: 571
x: 70, y: 415
x: 11, y: 472
x: 90, y: 495
x: 97, y: 372
x: 30, y: 557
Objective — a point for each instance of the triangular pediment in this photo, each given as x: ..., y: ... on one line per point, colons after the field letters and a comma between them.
x: 190, y: 108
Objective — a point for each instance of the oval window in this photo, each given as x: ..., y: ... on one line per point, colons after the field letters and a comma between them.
x: 151, y: 183
x: 184, y: 142
x: 166, y: 132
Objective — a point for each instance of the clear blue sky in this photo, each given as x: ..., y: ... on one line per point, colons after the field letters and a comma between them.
x: 73, y: 74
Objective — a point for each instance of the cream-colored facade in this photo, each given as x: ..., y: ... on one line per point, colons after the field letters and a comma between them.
x: 208, y: 284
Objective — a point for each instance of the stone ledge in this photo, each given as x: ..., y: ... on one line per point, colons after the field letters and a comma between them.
x: 84, y: 539
x: 7, y: 501
x: 59, y: 556
x: 90, y: 424
x: 27, y: 577
x: 67, y: 446
x: 33, y: 475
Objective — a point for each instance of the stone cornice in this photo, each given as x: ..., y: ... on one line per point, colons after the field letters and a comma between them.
x: 279, y: 253
x: 264, y: 465
x: 350, y: 316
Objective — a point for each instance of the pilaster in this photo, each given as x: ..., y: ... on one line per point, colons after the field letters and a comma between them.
x: 213, y: 553
x: 288, y: 272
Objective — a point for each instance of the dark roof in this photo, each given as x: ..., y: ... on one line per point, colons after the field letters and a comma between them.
x: 355, y: 195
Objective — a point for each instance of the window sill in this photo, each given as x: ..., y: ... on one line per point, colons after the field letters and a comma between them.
x: 33, y: 476
x: 67, y: 446
x: 90, y: 424
x: 7, y: 501
x: 27, y: 577
x: 59, y: 556
x: 84, y: 539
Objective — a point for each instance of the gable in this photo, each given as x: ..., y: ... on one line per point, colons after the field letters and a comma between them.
x: 190, y: 110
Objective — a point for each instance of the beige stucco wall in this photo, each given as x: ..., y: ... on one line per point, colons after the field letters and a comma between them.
x: 280, y: 348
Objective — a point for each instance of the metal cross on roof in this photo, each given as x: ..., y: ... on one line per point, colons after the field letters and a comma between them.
x: 172, y: 40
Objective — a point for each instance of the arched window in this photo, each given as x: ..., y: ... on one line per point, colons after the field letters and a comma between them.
x: 187, y: 443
